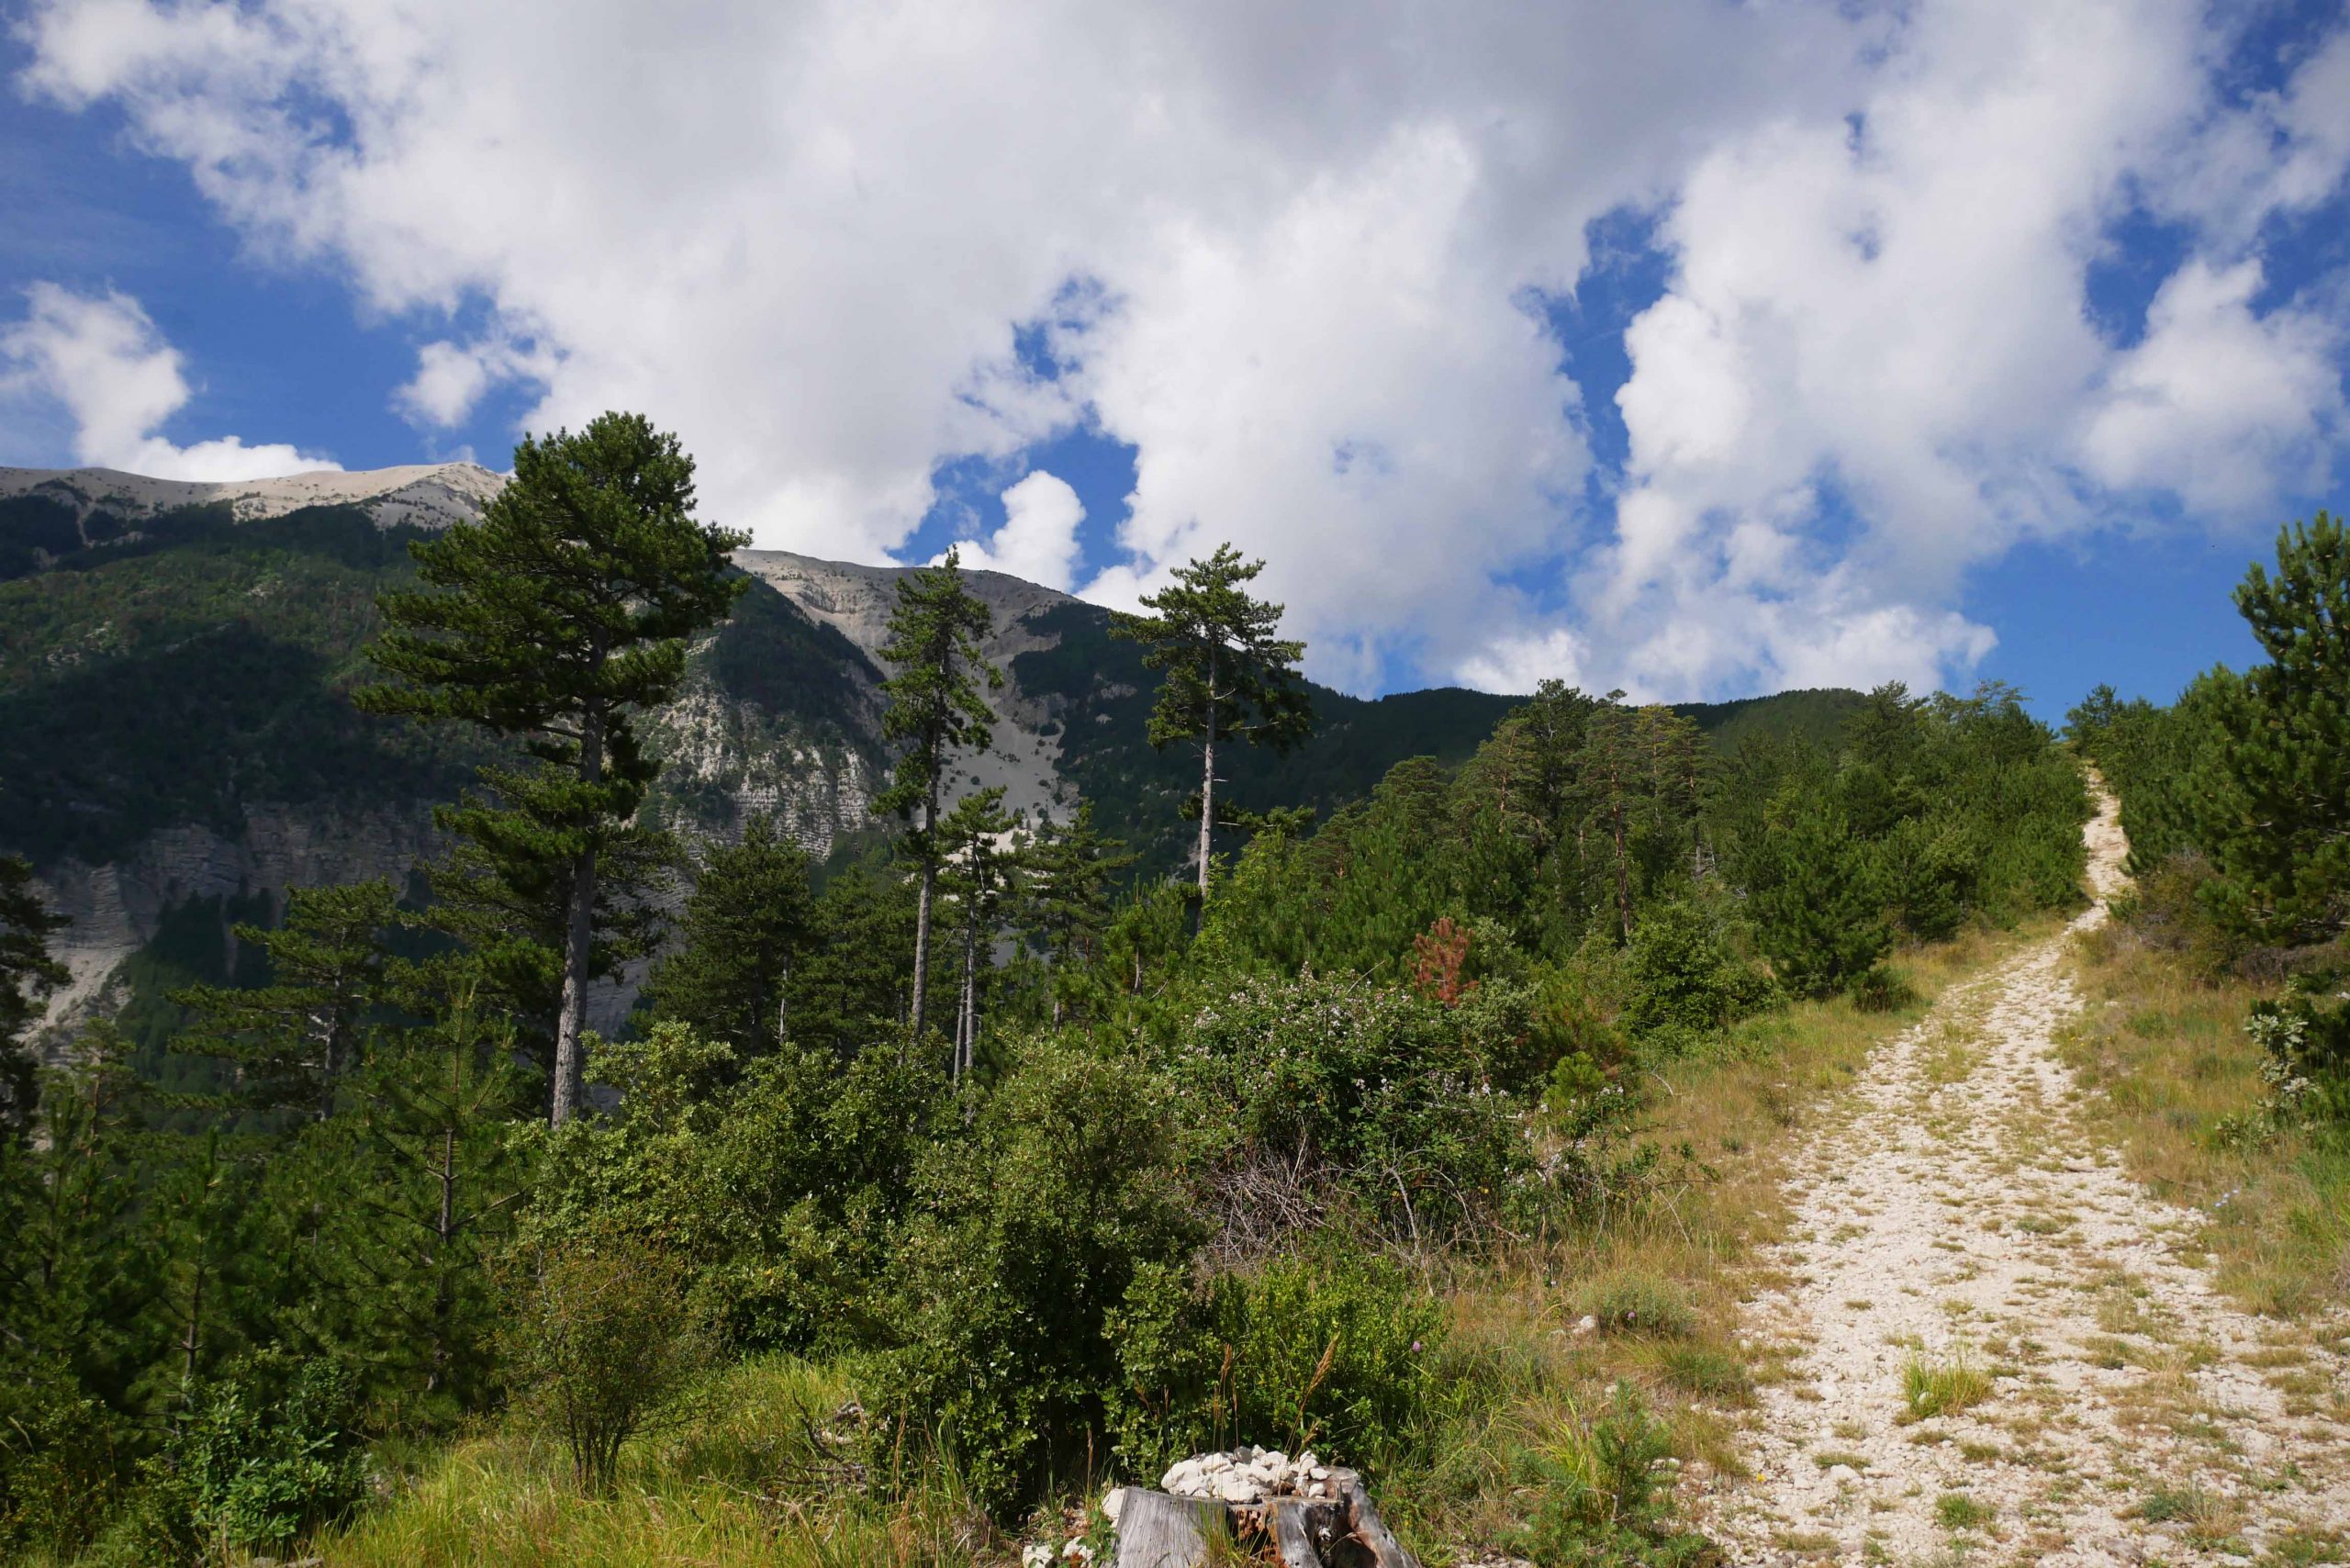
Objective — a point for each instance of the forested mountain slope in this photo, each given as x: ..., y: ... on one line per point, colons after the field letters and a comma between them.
x: 176, y: 660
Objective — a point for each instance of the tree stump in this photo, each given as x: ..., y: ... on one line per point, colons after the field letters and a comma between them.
x: 1156, y: 1531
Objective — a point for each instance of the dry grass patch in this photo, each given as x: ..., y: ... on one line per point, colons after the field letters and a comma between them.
x: 2171, y: 1063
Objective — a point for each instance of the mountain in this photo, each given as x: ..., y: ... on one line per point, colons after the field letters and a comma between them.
x: 175, y: 731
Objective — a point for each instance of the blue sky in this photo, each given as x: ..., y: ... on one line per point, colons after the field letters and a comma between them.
x: 1894, y: 352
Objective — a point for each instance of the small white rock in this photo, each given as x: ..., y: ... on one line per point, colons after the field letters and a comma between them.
x: 1587, y: 1325
x: 1113, y: 1502
x: 1035, y: 1554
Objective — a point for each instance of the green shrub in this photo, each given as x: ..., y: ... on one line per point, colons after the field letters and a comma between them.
x: 63, y: 1460
x: 780, y: 1186
x: 1410, y: 1106
x: 1881, y: 989
x: 1027, y: 1235
x: 1602, y: 1492
x: 1685, y: 979
x: 601, y: 1339
x: 1326, y: 1351
x: 242, y: 1470
x: 2304, y: 1037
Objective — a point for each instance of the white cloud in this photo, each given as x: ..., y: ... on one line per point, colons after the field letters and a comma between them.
x: 451, y: 377
x: 1874, y: 367
x: 101, y: 360
x: 1294, y: 257
x: 1039, y: 538
x: 2217, y: 405
x: 1522, y: 663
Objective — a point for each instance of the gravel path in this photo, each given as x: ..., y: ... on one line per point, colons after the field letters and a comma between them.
x: 1999, y: 1347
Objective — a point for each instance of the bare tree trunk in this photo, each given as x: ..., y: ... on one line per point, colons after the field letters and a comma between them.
x: 921, y: 906
x: 1207, y: 791
x: 782, y: 1002
x: 444, y: 1231
x: 570, y: 1073
x: 963, y: 998
x: 330, y: 1063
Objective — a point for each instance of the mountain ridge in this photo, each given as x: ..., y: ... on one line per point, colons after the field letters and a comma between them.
x: 175, y: 723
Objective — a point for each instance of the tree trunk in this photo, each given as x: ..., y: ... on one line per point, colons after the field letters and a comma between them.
x: 570, y: 1070
x: 963, y: 1011
x: 922, y: 907
x: 330, y: 1063
x: 444, y: 1232
x: 1207, y: 791
x: 782, y: 1002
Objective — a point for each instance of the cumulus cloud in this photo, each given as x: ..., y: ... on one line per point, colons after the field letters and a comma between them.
x: 1874, y: 367
x: 1039, y: 538
x: 1300, y: 259
x: 2216, y: 404
x: 100, y: 359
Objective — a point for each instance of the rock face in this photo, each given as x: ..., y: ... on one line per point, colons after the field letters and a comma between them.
x: 856, y: 600
x: 421, y: 496
x: 118, y: 907
x: 1305, y: 1513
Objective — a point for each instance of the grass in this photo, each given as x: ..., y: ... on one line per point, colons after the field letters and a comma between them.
x: 2163, y: 1043
x: 1663, y: 1280
x: 1956, y: 1510
x: 743, y: 1483
x: 1932, y: 1388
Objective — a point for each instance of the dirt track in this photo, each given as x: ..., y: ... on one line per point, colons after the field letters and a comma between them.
x: 1957, y: 1212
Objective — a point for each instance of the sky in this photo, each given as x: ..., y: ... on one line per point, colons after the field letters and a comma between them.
x: 1692, y: 349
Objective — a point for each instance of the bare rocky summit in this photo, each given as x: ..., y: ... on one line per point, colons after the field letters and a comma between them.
x: 426, y: 494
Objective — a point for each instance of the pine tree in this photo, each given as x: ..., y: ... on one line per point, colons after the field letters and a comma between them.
x: 28, y: 973
x: 1610, y: 768
x: 291, y: 1041
x: 1816, y: 907
x: 749, y: 914
x: 72, y: 1272
x: 2270, y: 792
x: 1065, y: 897
x: 851, y: 985
x: 201, y: 1228
x: 421, y: 1181
x: 979, y: 871
x: 564, y: 612
x: 1228, y: 678
x: 936, y: 708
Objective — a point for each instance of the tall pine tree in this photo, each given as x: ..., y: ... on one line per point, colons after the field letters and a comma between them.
x: 938, y: 706
x: 561, y: 615
x: 1229, y: 676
